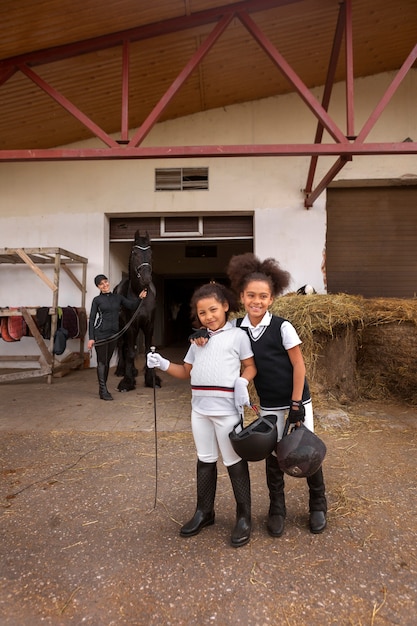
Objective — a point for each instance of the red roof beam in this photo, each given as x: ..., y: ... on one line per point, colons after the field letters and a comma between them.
x: 350, y: 113
x: 333, y: 171
x: 198, y: 56
x: 7, y: 73
x: 172, y: 152
x: 147, y: 31
x: 377, y: 112
x: 71, y: 108
x: 124, y: 134
x: 328, y: 88
x: 292, y: 77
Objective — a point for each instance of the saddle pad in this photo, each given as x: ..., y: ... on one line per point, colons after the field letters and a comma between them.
x: 70, y: 321
x: 4, y: 330
x: 43, y: 321
x: 17, y: 327
x: 82, y: 322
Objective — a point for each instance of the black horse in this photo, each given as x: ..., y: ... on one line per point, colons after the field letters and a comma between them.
x: 140, y: 277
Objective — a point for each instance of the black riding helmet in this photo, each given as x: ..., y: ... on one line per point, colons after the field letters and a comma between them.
x: 256, y: 441
x: 301, y: 453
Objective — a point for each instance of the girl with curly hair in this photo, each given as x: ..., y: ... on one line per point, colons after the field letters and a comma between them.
x: 280, y: 381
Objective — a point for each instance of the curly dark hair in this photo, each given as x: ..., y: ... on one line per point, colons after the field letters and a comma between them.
x: 213, y: 290
x: 244, y: 268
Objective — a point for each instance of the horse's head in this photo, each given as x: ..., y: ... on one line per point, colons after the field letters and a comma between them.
x: 140, y: 262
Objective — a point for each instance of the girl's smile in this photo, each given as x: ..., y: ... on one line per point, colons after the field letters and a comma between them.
x: 256, y: 298
x: 212, y: 313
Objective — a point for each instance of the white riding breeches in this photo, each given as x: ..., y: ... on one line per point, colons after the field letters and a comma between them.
x: 281, y: 414
x: 211, y: 434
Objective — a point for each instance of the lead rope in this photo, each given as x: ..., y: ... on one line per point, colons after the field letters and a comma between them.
x: 155, y: 431
x: 101, y: 342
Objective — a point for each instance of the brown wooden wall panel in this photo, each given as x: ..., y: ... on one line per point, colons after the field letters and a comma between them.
x: 214, y: 227
x: 175, y: 224
x: 371, y: 242
x: 124, y: 228
x: 229, y: 226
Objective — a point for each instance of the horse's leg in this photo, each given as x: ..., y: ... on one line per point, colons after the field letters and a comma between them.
x: 136, y: 350
x: 149, y: 375
x: 131, y: 371
x: 121, y: 363
x: 121, y: 344
x: 128, y: 382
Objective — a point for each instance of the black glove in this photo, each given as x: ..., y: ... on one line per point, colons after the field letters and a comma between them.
x: 201, y: 332
x: 296, y: 415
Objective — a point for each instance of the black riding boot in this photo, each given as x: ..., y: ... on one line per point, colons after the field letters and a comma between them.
x: 317, y: 502
x: 102, y: 373
x: 239, y: 476
x: 275, y: 482
x: 206, y: 492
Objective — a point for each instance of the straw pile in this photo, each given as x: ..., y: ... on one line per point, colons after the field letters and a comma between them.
x: 387, y: 359
x: 318, y: 318
x: 356, y: 347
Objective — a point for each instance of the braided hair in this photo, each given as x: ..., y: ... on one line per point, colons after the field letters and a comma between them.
x: 244, y: 268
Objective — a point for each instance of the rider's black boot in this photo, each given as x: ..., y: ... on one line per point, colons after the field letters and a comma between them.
x: 277, y: 511
x: 102, y: 373
x: 206, y: 492
x: 239, y: 476
x: 317, y: 502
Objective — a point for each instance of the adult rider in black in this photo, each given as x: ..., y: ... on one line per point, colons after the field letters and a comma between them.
x: 103, y: 327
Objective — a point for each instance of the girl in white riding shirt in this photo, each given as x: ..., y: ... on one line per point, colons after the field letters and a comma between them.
x: 220, y: 373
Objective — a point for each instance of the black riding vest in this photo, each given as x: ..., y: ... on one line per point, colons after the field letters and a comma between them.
x: 274, y: 380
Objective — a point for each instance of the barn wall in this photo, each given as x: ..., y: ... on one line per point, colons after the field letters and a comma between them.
x: 65, y: 204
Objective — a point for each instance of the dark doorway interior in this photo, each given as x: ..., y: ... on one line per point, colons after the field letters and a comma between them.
x: 177, y: 315
x: 179, y: 266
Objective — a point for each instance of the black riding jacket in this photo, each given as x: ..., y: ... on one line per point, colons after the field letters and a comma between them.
x: 104, y: 314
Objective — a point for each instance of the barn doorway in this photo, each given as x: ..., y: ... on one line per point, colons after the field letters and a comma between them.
x: 181, y: 261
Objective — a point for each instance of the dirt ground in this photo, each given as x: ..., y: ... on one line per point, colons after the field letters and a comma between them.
x: 89, y: 536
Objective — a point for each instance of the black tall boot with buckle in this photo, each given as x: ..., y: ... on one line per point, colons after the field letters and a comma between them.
x: 206, y: 493
x: 317, y: 502
x: 277, y: 510
x: 239, y: 477
x: 102, y: 374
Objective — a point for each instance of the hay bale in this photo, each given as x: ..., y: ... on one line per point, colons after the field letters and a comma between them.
x: 321, y: 320
x: 334, y: 372
x: 387, y: 362
x: 387, y: 354
x: 379, y: 311
x: 355, y: 346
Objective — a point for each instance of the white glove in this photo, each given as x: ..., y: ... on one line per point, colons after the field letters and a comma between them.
x: 153, y: 359
x: 241, y: 393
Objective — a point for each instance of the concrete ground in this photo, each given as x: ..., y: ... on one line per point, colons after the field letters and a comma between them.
x: 92, y: 501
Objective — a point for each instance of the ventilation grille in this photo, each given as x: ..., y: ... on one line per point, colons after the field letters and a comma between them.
x: 181, y: 178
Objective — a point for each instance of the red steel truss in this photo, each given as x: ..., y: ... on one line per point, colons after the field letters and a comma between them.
x: 346, y: 144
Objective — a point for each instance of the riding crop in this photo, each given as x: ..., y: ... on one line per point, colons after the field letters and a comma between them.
x: 155, y: 431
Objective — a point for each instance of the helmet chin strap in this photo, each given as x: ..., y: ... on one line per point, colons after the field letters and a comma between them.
x: 256, y: 441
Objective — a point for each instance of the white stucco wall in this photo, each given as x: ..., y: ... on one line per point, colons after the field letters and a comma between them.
x: 65, y: 204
